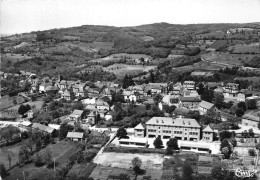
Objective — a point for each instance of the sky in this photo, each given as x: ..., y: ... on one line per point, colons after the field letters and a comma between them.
x: 19, y: 16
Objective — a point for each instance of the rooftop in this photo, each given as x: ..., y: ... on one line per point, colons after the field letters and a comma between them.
x: 166, y: 121
x: 205, y: 104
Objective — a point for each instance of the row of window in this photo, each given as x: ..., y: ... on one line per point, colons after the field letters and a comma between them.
x: 151, y: 130
x: 177, y: 132
x: 165, y: 131
x: 193, y: 133
x: 174, y: 127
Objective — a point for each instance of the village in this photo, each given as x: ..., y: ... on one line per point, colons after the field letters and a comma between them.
x: 167, y: 118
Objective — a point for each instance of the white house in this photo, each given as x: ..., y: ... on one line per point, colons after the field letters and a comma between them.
x: 204, y: 107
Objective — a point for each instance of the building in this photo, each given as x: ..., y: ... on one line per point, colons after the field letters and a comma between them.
x: 191, y: 103
x: 75, y: 136
x: 139, y: 130
x: 189, y: 85
x: 66, y: 95
x: 142, y: 142
x: 207, y: 134
x: 205, y: 107
x: 180, y: 128
x: 76, y: 115
x: 250, y: 120
x: 43, y: 128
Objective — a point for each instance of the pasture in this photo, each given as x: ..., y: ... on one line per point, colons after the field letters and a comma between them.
x: 13, y: 58
x: 89, y: 47
x: 245, y: 49
x: 227, y: 59
x: 57, y: 49
x: 37, y: 104
x: 120, y: 56
x: 120, y: 70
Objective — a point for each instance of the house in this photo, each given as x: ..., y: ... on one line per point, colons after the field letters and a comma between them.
x: 66, y: 95
x: 207, y: 134
x: 43, y: 86
x: 31, y: 112
x: 191, y: 103
x: 76, y: 115
x: 102, y: 105
x: 205, y: 107
x: 89, y: 101
x: 189, y: 85
x: 250, y: 120
x: 181, y: 128
x: 108, y: 116
x: 80, y: 89
x: 43, y: 128
x: 75, y: 136
x: 171, y: 100
x: 130, y: 96
x: 91, y: 117
x: 140, y: 130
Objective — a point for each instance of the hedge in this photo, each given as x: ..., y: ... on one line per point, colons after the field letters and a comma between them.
x: 132, y: 150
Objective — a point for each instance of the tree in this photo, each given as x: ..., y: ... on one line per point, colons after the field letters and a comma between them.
x: 124, y: 176
x: 173, y: 143
x: 9, y: 160
x: 242, y: 105
x: 23, y: 109
x: 218, y: 100
x: 64, y: 129
x: 157, y: 98
x: 251, y: 104
x: 187, y: 170
x: 218, y: 173
x: 251, y: 152
x: 225, y: 148
x: 38, y: 160
x: 121, y: 132
x: 168, y: 151
x: 158, y: 142
x: 224, y: 135
x: 47, y: 157
x: 136, y: 162
x: 23, y: 154
x: 239, y: 112
x: 9, y: 132
x: 251, y: 132
x: 3, y: 171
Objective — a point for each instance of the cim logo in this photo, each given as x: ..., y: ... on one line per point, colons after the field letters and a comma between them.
x: 244, y: 173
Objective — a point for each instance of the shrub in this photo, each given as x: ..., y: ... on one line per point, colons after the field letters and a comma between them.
x: 251, y: 152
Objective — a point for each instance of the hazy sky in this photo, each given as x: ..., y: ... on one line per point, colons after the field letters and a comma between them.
x: 19, y: 16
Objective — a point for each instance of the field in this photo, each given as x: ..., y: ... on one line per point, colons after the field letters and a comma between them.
x: 243, y: 48
x: 89, y: 47
x: 124, y: 160
x: 61, y: 151
x: 38, y: 105
x: 122, y: 56
x: 57, y: 49
x: 219, y: 44
x: 120, y: 70
x: 13, y: 58
x: 227, y: 59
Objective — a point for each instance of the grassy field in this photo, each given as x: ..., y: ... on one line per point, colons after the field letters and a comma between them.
x: 229, y: 59
x: 120, y: 70
x: 38, y: 105
x: 89, y: 47
x: 8, y: 58
x: 219, y: 44
x: 61, y: 151
x: 57, y: 49
x: 122, y: 56
x: 243, y: 48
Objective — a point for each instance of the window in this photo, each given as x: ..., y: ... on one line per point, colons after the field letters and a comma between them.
x: 165, y: 131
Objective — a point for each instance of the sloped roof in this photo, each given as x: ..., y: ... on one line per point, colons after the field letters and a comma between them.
x: 208, y: 129
x: 190, y: 99
x: 140, y: 126
x: 42, y: 127
x: 75, y: 135
x: 181, y: 122
x: 205, y: 104
x: 77, y: 112
x: 251, y: 117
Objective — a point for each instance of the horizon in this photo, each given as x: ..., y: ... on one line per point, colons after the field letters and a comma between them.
x: 38, y: 15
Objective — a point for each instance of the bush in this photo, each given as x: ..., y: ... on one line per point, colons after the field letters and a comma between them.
x: 251, y: 152
x: 38, y: 160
